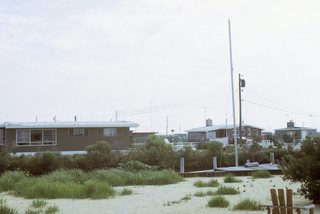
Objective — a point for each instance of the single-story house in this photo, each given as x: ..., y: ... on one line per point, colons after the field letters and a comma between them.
x: 223, y: 133
x: 293, y: 133
x: 64, y: 136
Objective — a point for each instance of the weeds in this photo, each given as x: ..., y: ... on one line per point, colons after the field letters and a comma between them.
x: 183, y: 199
x: 5, y: 209
x: 218, y: 201
x: 247, y: 204
x: 39, y: 203
x: 229, y: 178
x: 126, y: 191
x: 210, y: 183
x: 224, y: 190
x: 261, y: 174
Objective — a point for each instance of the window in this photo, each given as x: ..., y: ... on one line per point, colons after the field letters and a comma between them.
x: 23, y: 137
x: 107, y: 132
x: 35, y: 137
x: 78, y: 132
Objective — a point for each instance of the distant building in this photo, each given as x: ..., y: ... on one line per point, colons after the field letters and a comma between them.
x: 223, y: 133
x: 294, y: 134
x: 64, y: 136
x: 139, y: 138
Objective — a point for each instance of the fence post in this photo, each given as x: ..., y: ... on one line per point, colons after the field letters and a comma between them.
x: 214, y: 163
x: 272, y: 157
x: 181, y: 165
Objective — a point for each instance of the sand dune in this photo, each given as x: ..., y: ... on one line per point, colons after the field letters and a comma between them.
x: 152, y: 199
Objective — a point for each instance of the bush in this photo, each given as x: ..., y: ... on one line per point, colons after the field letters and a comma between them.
x: 223, y: 190
x: 100, y: 148
x: 305, y: 169
x: 210, y: 183
x: 247, y: 204
x: 229, y: 178
x: 261, y: 174
x: 218, y: 201
x: 135, y: 166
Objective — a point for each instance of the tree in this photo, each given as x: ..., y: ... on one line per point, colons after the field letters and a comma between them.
x: 305, y: 167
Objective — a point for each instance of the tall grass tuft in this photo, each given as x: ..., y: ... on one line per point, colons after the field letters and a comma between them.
x: 10, y: 178
x: 224, y: 190
x: 261, y: 174
x: 39, y: 203
x: 218, y: 201
x: 210, y: 183
x: 247, y: 204
x: 229, y: 178
x: 51, y: 209
x: 126, y: 191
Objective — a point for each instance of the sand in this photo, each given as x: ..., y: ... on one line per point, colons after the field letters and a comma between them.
x: 152, y: 199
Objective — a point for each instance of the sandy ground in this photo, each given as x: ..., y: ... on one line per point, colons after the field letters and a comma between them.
x: 152, y: 199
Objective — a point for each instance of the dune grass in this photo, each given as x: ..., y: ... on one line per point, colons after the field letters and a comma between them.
x: 5, y: 209
x: 203, y: 194
x: 261, y: 174
x: 224, y: 190
x: 97, y: 184
x: 229, y: 178
x: 126, y: 191
x: 210, y: 183
x: 218, y: 201
x: 247, y: 204
x: 39, y: 203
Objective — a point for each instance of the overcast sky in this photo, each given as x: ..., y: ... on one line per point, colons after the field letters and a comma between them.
x: 92, y: 58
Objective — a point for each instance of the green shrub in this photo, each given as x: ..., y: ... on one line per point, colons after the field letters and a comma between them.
x: 223, y: 190
x: 32, y: 211
x: 210, y: 183
x: 10, y: 178
x: 229, y: 178
x: 247, y: 204
x: 135, y: 166
x: 218, y: 201
x: 67, y: 176
x: 100, y: 147
x: 39, y: 203
x: 261, y: 174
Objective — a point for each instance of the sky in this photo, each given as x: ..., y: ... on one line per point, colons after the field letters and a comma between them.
x: 160, y: 63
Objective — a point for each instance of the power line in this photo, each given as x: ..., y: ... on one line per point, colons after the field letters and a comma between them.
x: 281, y: 109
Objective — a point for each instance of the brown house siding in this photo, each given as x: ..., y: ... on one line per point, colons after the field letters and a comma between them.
x: 65, y: 142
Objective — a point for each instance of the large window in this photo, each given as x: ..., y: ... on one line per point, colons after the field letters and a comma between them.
x: 78, y: 132
x: 34, y: 137
x: 107, y: 132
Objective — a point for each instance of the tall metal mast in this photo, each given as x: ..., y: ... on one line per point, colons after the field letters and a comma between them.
x: 235, y: 137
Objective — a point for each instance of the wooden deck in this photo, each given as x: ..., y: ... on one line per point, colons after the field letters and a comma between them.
x: 240, y: 170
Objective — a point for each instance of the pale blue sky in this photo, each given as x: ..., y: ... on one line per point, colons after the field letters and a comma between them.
x: 91, y: 58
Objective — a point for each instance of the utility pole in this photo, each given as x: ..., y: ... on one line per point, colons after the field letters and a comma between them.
x: 242, y: 84
x: 116, y: 115
x: 167, y: 127
x: 235, y: 137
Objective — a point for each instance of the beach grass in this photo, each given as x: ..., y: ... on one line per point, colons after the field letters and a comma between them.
x: 261, y: 174
x: 224, y: 190
x: 247, y: 204
x: 210, y: 183
x: 74, y: 184
x: 218, y: 201
x: 229, y: 178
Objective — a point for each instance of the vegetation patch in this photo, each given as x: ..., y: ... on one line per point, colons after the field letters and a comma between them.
x: 261, y: 174
x: 229, y: 178
x: 78, y: 184
x: 247, y: 204
x: 224, y: 190
x: 5, y: 209
x: 218, y: 201
x: 126, y: 191
x: 39, y: 203
x: 210, y: 183
x: 183, y: 199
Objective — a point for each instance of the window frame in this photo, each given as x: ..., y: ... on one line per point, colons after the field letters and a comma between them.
x: 29, y: 142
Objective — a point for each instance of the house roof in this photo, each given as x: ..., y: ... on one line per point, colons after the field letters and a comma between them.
x: 296, y: 129
x: 216, y: 127
x: 69, y: 124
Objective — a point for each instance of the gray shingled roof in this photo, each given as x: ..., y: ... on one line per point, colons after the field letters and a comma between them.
x: 216, y: 127
x: 69, y: 124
